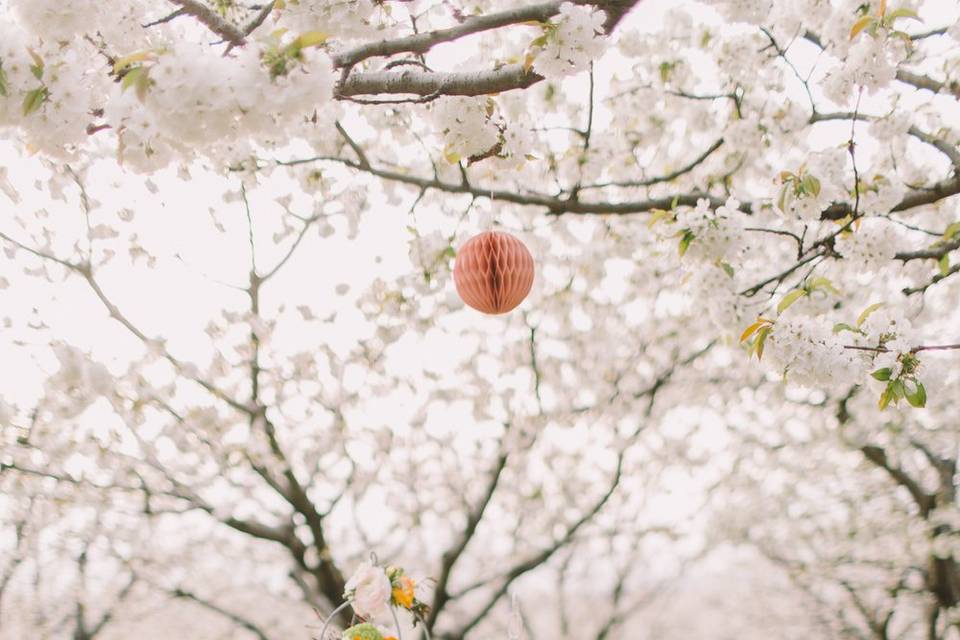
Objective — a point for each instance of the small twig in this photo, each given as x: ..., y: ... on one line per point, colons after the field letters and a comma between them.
x: 212, y: 20
x: 361, y: 156
x: 421, y: 100
x: 931, y: 347
x: 937, y: 278
x: 851, y: 147
x: 176, y: 14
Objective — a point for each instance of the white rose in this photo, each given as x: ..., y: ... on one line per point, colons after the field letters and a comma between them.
x: 371, y: 590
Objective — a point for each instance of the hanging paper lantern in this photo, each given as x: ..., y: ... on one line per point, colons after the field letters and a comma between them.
x: 493, y: 272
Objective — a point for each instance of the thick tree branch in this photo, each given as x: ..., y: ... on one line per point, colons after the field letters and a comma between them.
x: 423, y: 42
x: 921, y: 81
x: 472, y: 83
x: 878, y: 456
x: 914, y: 198
x: 424, y: 83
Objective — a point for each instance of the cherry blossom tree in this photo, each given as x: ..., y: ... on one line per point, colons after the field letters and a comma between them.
x: 239, y: 366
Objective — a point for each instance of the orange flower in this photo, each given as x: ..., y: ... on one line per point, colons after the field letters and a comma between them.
x: 403, y: 594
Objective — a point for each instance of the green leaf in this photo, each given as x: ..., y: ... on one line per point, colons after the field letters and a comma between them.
x: 859, y: 26
x: 898, y: 390
x: 129, y: 60
x: 37, y: 67
x: 130, y: 77
x: 866, y: 313
x: 727, y: 269
x: 944, y: 263
x: 4, y: 83
x: 810, y: 185
x: 902, y: 12
x: 34, y: 99
x: 782, y: 200
x: 885, y: 398
x: 907, y: 40
x: 918, y: 398
x: 688, y: 237
x: 952, y: 229
x: 843, y: 326
x: 822, y: 283
x: 665, y: 69
x: 657, y: 215
x: 749, y: 331
x: 539, y: 41
x: 882, y: 375
x: 309, y: 39
x: 139, y: 79
x: 761, y: 340
x: 789, y: 299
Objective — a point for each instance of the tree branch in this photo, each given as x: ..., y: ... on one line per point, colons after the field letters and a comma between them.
x: 553, y: 204
x: 535, y: 561
x: 424, y: 83
x: 423, y: 42
x: 235, y: 618
x: 878, y: 456
x: 450, y: 557
x: 212, y: 20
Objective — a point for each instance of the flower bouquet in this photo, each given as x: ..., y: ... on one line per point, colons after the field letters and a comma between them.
x: 372, y: 591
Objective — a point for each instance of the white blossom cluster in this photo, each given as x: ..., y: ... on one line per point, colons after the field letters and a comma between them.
x: 809, y: 353
x: 573, y: 41
x: 871, y: 63
x: 429, y: 253
x: 467, y: 126
x: 717, y: 235
x: 828, y: 168
x: 184, y: 110
x: 181, y: 99
x: 882, y: 195
x: 346, y: 20
x: 751, y: 11
x: 871, y: 246
x: 81, y: 380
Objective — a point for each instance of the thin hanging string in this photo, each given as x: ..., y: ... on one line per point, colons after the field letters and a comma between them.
x: 326, y: 623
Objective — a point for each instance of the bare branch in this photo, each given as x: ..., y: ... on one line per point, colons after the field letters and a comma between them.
x: 934, y: 252
x: 553, y: 204
x: 669, y: 177
x: 537, y: 560
x: 878, y: 456
x: 212, y: 20
x: 941, y: 145
x: 210, y: 606
x: 168, y: 18
x: 441, y: 597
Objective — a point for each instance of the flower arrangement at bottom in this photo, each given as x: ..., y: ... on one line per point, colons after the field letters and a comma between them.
x: 373, y: 590
x: 365, y: 631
